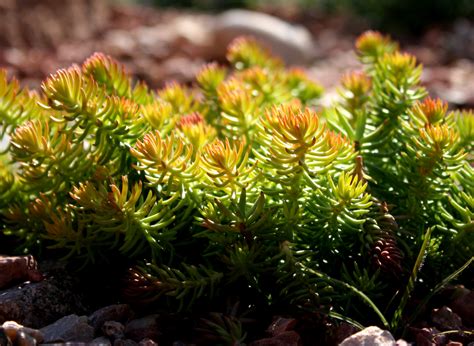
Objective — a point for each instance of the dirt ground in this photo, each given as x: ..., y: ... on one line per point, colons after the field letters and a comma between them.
x: 38, y: 37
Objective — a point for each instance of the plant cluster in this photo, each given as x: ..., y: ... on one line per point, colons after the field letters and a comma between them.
x: 244, y: 185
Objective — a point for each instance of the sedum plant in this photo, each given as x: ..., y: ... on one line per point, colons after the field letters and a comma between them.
x: 244, y: 185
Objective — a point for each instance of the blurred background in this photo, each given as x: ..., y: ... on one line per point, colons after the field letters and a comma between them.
x: 164, y: 40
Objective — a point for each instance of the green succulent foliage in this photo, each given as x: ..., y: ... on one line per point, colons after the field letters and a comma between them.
x: 221, y: 329
x: 185, y: 284
x: 236, y: 184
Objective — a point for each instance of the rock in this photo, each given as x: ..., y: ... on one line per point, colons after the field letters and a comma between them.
x: 281, y: 325
x: 16, y: 333
x: 464, y: 307
x: 102, y: 341
x: 179, y: 343
x: 445, y: 319
x: 69, y: 328
x: 147, y: 342
x: 370, y: 336
x: 18, y: 268
x: 292, y: 43
x: 24, y: 339
x: 142, y: 328
x: 71, y: 343
x: 38, y: 304
x: 126, y: 342
x: 429, y: 336
x: 290, y: 338
x: 119, y: 312
x: 343, y: 331
x: 183, y: 35
x: 113, y: 330
x: 4, y: 339
x: 401, y: 342
x: 191, y: 34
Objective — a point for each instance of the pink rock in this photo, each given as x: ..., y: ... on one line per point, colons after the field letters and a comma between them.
x: 17, y: 269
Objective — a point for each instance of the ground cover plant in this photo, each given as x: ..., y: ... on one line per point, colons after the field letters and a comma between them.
x: 243, y: 190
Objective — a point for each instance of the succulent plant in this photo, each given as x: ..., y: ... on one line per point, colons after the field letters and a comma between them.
x: 244, y: 183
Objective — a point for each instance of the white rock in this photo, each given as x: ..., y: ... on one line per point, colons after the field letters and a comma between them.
x: 293, y: 43
x: 370, y: 336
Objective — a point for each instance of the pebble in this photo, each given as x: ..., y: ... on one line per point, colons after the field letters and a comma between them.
x: 124, y: 342
x: 142, y: 328
x: 281, y: 325
x: 464, y: 307
x: 445, y: 319
x: 118, y: 312
x: 69, y: 328
x: 20, y: 334
x: 41, y: 303
x: 147, y: 342
x: 370, y: 336
x: 18, y: 268
x: 102, y: 341
x: 290, y: 338
x: 113, y: 330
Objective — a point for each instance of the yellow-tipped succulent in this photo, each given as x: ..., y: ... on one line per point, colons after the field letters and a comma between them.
x: 242, y: 184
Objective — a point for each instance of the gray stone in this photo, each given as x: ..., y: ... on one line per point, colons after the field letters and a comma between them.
x: 370, y: 336
x: 69, y: 328
x: 445, y: 319
x: 113, y: 329
x: 292, y: 43
x: 119, y: 312
x: 72, y: 343
x: 147, y: 342
x: 126, y: 342
x: 142, y: 328
x: 41, y: 303
x: 101, y: 341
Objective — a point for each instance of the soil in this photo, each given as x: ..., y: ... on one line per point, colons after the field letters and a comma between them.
x: 85, y: 26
